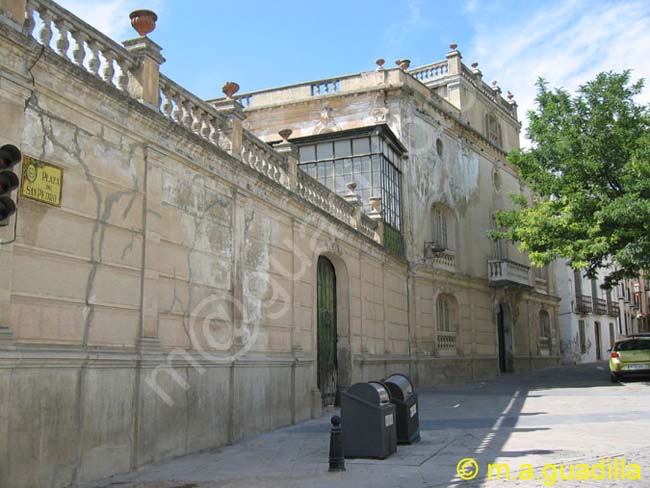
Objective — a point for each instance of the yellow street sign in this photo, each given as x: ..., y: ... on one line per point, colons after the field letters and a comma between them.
x: 41, y: 181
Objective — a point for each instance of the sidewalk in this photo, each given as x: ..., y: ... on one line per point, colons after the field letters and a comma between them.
x: 561, y: 415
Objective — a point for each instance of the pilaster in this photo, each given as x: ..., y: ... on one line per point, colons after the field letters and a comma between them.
x: 144, y: 85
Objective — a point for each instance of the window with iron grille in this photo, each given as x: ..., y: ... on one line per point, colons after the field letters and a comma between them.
x: 440, y: 227
x: 447, y: 323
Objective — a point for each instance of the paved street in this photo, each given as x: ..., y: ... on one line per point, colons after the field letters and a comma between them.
x: 561, y: 415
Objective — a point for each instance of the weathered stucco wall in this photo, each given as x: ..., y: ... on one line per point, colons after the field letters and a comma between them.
x: 169, y: 304
x: 470, y: 178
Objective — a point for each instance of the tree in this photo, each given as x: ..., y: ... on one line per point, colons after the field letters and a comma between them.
x: 589, y: 169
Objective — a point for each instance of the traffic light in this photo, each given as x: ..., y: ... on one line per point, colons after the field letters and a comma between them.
x: 9, y: 157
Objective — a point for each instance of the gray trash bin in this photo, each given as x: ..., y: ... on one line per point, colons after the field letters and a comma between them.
x: 368, y: 420
x: 407, y: 414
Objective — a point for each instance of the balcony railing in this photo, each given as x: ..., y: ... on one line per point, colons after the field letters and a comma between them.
x: 446, y: 343
x: 583, y: 304
x: 601, y: 306
x: 613, y: 309
x: 440, y: 258
x: 90, y: 50
x: 505, y: 272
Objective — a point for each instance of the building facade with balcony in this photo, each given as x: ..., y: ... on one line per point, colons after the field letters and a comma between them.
x: 634, y: 296
x: 591, y: 318
x: 425, y: 149
x: 206, y: 275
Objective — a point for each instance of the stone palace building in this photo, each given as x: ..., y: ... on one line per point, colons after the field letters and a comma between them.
x: 182, y: 273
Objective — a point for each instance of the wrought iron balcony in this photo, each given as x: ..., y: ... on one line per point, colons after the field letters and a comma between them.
x: 502, y: 272
x: 613, y: 310
x: 601, y: 306
x: 583, y: 304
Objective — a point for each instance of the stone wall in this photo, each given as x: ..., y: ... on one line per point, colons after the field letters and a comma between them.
x: 169, y: 305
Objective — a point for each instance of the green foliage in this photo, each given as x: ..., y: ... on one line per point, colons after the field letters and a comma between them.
x: 589, y: 168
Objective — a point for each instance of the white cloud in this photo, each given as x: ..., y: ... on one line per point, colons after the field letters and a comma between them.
x: 110, y: 16
x: 568, y: 44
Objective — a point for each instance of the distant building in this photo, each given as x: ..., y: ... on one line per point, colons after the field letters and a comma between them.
x: 593, y: 318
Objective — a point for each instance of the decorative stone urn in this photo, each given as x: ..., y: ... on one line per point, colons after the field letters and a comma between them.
x: 453, y: 46
x: 229, y: 88
x: 352, y: 186
x: 285, y: 134
x: 143, y: 21
x: 380, y: 63
x: 404, y: 64
x: 375, y: 203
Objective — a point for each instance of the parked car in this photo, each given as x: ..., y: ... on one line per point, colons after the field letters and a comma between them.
x: 630, y: 357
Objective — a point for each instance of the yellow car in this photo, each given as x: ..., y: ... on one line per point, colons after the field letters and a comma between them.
x: 630, y: 357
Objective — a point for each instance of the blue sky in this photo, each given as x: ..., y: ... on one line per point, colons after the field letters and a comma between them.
x: 262, y: 44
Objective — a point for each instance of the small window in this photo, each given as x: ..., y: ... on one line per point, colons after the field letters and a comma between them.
x: 493, y: 130
x: 447, y: 324
x: 582, y: 336
x: 442, y: 227
x: 439, y: 147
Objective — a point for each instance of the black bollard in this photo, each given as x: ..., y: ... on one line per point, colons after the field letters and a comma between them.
x: 337, y: 460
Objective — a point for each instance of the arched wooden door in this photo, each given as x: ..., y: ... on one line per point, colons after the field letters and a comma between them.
x: 326, y: 330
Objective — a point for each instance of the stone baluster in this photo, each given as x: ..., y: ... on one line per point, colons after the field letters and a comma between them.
x: 79, y: 51
x: 213, y: 130
x: 94, y: 61
x: 123, y: 78
x: 196, y: 119
x: 109, y: 69
x: 45, y: 34
x: 186, y: 121
x: 166, y: 107
x: 177, y: 111
x: 30, y: 22
x: 204, y: 130
x: 62, y: 43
